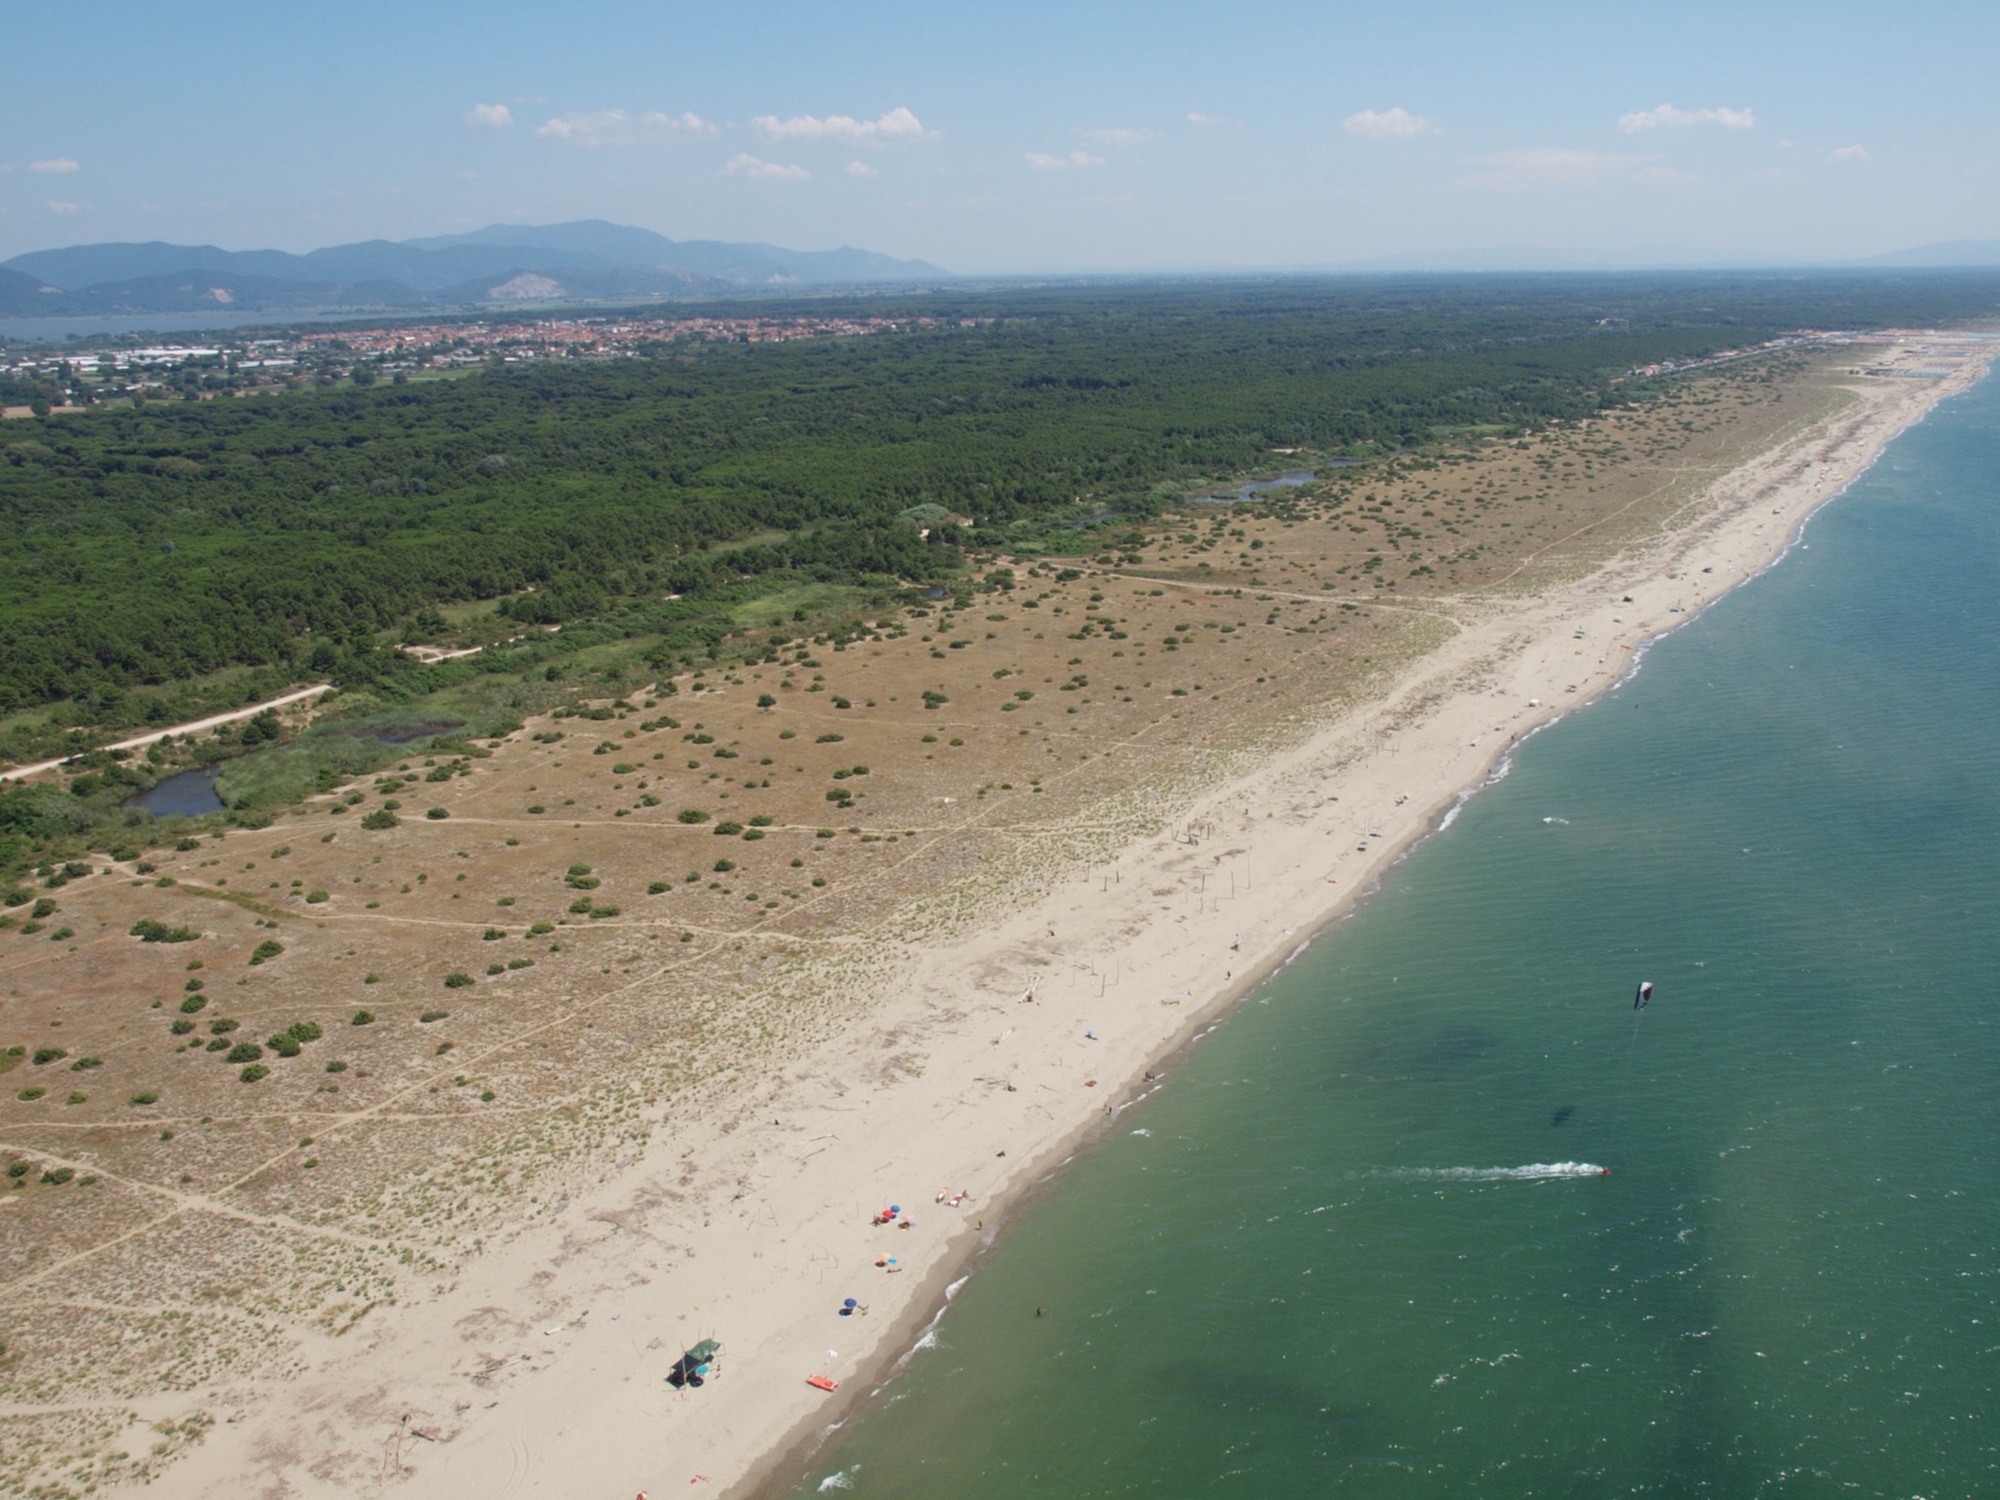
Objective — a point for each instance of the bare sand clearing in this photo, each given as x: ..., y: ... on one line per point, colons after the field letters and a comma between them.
x: 973, y: 1056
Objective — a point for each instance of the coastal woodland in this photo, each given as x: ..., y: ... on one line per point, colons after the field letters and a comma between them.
x: 781, y: 663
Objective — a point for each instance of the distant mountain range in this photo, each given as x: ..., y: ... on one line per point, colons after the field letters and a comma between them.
x: 502, y: 263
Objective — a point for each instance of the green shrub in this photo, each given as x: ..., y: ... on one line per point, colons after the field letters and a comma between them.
x: 829, y: 738
x: 580, y: 905
x: 314, y: 898
x: 148, y: 1097
x: 146, y: 930
x: 435, y: 813
x: 194, y: 984
x: 17, y: 896
x: 220, y: 1044
x: 436, y: 1015
x: 45, y: 1055
x: 762, y: 820
x: 598, y: 913
x: 85, y: 1064
x: 193, y: 1003
x: 520, y: 963
x: 623, y: 768
x: 244, y: 1052
x: 30, y: 1095
x: 379, y: 819
x: 753, y: 834
x: 691, y: 815
x: 43, y: 908
x: 184, y: 845
x: 264, y: 950
x: 541, y: 929
x: 17, y: 1169
x: 181, y: 1028
x: 57, y: 1176
x: 252, y: 1073
x: 723, y: 866
x: 727, y: 829
x: 281, y: 1044
x: 493, y: 935
x: 62, y: 932
x: 457, y: 980
x: 363, y: 1018
x: 582, y: 882
x: 336, y: 1066
x: 658, y: 887
x: 575, y: 870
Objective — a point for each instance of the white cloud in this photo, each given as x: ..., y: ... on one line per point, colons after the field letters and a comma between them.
x: 1041, y: 161
x: 489, y: 116
x: 685, y: 126
x: 1196, y: 117
x: 743, y: 164
x: 1389, y: 122
x: 896, y: 125
x: 56, y: 164
x: 1116, y: 137
x: 64, y: 206
x: 1553, y: 166
x: 1667, y: 117
x: 860, y: 169
x: 614, y: 127
x: 1849, y: 153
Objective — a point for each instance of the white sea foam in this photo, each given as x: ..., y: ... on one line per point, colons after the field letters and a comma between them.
x: 839, y: 1479
x: 1541, y: 1171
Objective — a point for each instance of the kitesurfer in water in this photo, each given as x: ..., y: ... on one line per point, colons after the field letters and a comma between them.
x: 1645, y: 993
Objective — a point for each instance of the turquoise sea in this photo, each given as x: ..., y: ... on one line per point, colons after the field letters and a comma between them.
x: 1358, y: 1247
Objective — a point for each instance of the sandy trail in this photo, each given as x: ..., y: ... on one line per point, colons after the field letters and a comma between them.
x: 193, y: 726
x: 747, y: 1216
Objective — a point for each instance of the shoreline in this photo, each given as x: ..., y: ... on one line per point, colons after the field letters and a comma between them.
x: 758, y: 1243
x: 787, y: 1467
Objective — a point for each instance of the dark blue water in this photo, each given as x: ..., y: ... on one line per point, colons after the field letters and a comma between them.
x: 1358, y: 1246
x: 187, y: 794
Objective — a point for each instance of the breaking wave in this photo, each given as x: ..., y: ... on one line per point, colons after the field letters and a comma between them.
x: 1541, y: 1171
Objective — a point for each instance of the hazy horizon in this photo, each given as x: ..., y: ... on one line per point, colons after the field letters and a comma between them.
x: 1123, y: 140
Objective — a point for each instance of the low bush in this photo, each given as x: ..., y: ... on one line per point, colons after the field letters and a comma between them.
x: 30, y: 1095
x: 252, y: 1073
x: 146, y: 930
x: 435, y: 1015
x: 658, y: 887
x: 492, y: 935
x: 363, y: 1018
x: 148, y: 1097
x: 381, y: 818
x: 436, y: 813
x: 315, y: 898
x: 57, y: 1176
x: 265, y: 950
x: 244, y: 1052
x: 457, y: 980
x: 496, y: 968
x: 46, y: 1055
x: 222, y: 1027
x: 193, y: 1003
x: 541, y: 929
x: 691, y: 815
x: 85, y: 1064
x: 181, y: 1028
x: 727, y: 829
x: 599, y: 913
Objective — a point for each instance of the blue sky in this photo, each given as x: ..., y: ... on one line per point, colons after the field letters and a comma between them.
x: 1015, y: 138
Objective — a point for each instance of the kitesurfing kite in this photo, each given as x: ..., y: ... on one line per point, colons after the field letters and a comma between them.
x: 1645, y: 993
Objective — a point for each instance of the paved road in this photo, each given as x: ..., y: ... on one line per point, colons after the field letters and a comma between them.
x: 198, y: 725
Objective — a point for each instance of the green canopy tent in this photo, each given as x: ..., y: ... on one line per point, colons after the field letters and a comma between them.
x: 695, y: 1366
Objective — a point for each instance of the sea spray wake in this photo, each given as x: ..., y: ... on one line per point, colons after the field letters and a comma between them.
x: 1541, y: 1171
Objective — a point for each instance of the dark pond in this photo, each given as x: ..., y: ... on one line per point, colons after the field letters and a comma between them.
x: 187, y: 795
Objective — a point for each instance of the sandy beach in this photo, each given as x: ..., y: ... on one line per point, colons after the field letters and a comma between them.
x: 980, y: 1064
